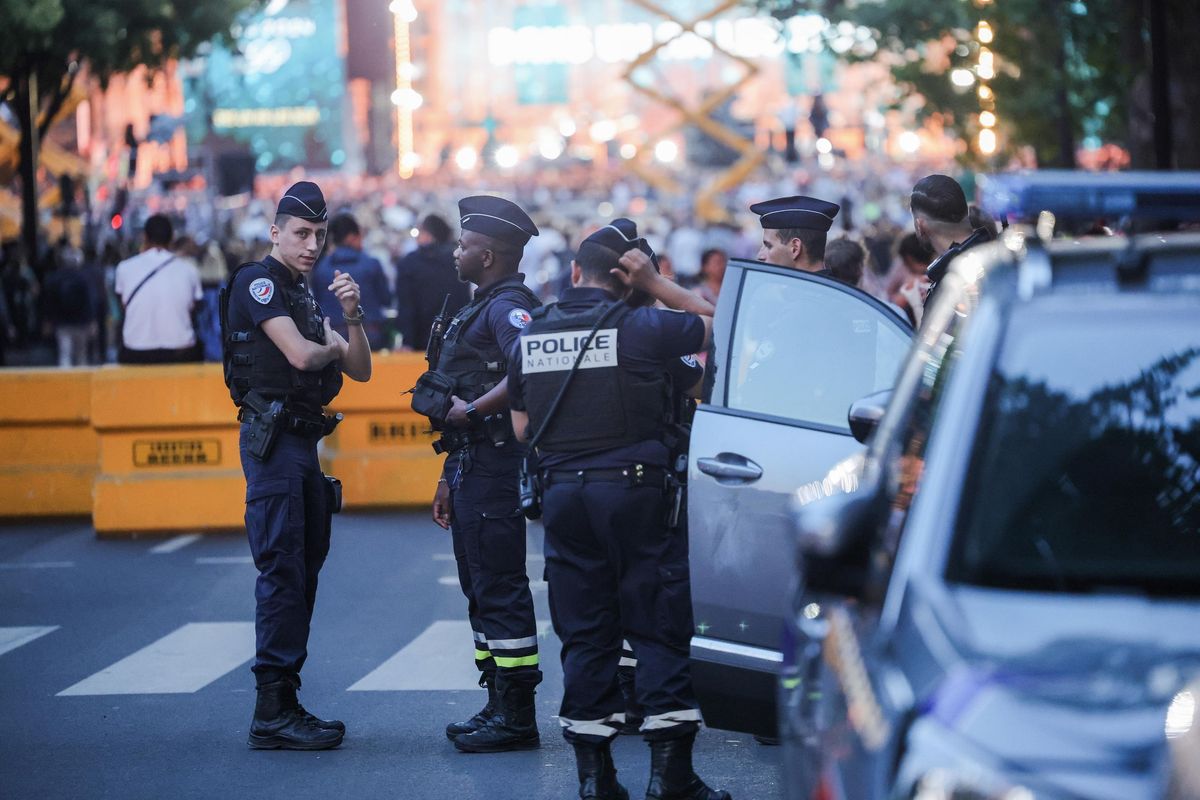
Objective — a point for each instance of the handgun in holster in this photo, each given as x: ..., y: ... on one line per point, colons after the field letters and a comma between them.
x: 266, y: 420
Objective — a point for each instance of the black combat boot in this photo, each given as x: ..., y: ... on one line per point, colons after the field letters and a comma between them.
x: 279, y: 723
x: 633, y: 709
x: 597, y: 773
x: 671, y: 774
x: 487, y: 680
x: 325, y: 724
x: 512, y: 727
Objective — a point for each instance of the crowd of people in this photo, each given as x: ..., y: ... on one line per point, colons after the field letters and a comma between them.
x: 65, y: 306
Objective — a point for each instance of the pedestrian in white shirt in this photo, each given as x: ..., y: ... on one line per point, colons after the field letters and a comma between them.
x: 158, y: 291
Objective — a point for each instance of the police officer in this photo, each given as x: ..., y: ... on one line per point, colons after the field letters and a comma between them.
x: 476, y: 497
x: 283, y: 363
x: 943, y: 223
x: 614, y: 567
x: 794, y: 231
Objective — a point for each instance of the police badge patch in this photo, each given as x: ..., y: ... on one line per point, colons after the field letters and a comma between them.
x: 690, y: 361
x: 262, y: 290
x: 519, y: 318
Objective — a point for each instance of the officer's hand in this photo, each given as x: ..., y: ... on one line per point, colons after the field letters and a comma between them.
x: 346, y: 290
x: 457, y: 416
x: 441, y: 505
x: 336, y: 340
x: 637, y: 270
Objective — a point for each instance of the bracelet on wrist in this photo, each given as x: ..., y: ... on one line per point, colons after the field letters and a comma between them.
x: 354, y: 319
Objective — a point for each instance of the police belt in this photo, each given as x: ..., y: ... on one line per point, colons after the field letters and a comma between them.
x: 300, y: 424
x: 634, y: 475
x: 457, y: 440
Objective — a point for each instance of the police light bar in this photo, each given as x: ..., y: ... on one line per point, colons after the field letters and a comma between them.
x: 1092, y: 195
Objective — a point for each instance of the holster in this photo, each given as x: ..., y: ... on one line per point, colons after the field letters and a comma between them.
x: 529, y: 487
x: 266, y: 420
x: 333, y: 493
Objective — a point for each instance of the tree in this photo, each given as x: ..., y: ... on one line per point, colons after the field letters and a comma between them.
x: 1066, y: 70
x: 44, y: 44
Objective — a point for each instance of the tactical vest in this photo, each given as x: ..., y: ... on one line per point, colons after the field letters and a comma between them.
x: 252, y: 361
x: 607, y: 405
x: 475, y: 371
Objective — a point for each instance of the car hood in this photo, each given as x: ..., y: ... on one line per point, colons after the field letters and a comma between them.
x: 1072, y: 688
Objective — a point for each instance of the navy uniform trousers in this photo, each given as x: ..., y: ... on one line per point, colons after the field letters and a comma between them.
x: 488, y: 530
x: 616, y: 572
x: 288, y: 522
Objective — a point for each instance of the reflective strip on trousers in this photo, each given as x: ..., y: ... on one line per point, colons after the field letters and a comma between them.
x: 672, y: 718
x: 512, y: 644
x: 627, y: 657
x: 509, y: 653
x: 605, y: 727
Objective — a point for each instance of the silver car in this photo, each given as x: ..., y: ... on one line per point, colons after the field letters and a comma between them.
x: 791, y: 352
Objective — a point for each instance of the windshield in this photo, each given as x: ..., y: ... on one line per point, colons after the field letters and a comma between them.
x: 1086, y: 475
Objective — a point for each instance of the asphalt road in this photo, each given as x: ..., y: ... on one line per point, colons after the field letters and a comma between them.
x: 124, y: 673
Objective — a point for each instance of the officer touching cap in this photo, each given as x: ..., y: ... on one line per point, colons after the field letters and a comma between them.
x: 476, y: 497
x: 283, y: 364
x: 614, y: 569
x: 794, y: 231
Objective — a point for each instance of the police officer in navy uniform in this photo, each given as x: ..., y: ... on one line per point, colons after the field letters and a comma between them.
x: 794, y: 231
x: 283, y: 364
x: 615, y: 569
x: 942, y: 220
x: 476, y: 497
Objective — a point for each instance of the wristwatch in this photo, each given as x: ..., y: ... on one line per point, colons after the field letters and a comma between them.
x: 473, y: 415
x: 354, y: 319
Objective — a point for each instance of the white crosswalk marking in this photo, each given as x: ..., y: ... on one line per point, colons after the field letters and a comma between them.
x: 438, y: 659
x: 176, y: 543
x: 225, y: 560
x: 184, y: 661
x: 452, y: 580
x: 12, y: 638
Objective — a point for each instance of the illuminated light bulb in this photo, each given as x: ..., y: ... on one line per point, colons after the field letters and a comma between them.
x: 984, y: 32
x: 910, y: 142
x: 628, y: 151
x: 666, y: 151
x: 824, y: 146
x: 466, y: 158
x: 987, y: 141
x: 962, y: 77
x: 987, y: 119
x: 507, y: 156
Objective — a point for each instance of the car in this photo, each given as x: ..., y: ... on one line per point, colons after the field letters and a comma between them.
x: 791, y: 351
x: 999, y: 598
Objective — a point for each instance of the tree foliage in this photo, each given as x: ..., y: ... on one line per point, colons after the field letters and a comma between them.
x: 1066, y: 70
x: 44, y: 43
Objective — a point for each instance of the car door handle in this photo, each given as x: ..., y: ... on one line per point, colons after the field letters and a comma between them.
x: 730, y: 465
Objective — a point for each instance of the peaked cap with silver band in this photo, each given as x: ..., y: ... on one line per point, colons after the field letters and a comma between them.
x: 304, y: 200
x: 796, y: 212
x: 496, y: 217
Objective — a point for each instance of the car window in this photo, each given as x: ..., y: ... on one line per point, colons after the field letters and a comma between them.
x: 805, y: 350
x: 927, y: 373
x: 1087, y: 472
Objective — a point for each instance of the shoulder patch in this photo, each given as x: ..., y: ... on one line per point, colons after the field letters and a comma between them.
x: 262, y: 290
x: 519, y: 318
x: 690, y: 361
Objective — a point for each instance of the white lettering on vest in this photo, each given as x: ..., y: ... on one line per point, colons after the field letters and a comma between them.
x: 555, y: 352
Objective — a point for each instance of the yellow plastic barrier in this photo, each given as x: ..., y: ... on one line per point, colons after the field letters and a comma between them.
x: 382, y: 451
x: 47, y: 446
x: 168, y: 450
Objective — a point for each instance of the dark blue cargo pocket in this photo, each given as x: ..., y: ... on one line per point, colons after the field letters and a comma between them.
x: 502, y: 537
x: 674, y: 603
x: 274, y: 519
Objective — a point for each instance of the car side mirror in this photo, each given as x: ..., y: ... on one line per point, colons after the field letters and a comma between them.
x: 834, y: 536
x: 866, y: 412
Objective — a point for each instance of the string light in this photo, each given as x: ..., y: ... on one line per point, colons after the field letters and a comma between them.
x: 405, y: 97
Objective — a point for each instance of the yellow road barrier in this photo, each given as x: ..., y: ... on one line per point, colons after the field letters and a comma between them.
x: 48, y: 448
x: 155, y: 448
x: 382, y: 451
x: 168, y: 450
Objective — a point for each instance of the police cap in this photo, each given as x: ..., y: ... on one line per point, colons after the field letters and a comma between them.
x: 496, y: 217
x: 619, y: 236
x: 304, y: 200
x: 807, y: 213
